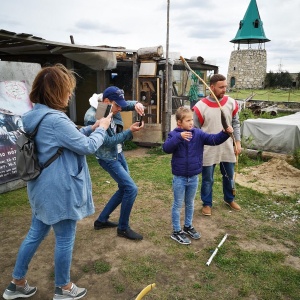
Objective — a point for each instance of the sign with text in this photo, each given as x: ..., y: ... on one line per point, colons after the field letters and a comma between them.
x: 14, y: 102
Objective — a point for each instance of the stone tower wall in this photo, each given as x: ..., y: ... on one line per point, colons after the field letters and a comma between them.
x: 248, y: 68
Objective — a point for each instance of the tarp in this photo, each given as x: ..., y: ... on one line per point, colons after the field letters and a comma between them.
x: 281, y: 135
x: 95, y: 60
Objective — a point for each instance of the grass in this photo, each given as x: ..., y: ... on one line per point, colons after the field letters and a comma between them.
x: 259, y: 260
x: 276, y: 95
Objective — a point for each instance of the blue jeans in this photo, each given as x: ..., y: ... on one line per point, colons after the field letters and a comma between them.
x: 64, y: 242
x: 227, y: 171
x: 125, y: 195
x: 184, y: 189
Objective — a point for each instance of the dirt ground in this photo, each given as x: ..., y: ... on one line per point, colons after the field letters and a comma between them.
x: 276, y: 176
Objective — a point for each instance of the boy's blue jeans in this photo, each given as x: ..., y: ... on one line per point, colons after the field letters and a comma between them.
x: 206, y: 193
x: 184, y: 190
x: 64, y: 242
x: 125, y: 195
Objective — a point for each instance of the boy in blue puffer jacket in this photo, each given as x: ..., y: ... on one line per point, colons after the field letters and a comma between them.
x: 186, y: 144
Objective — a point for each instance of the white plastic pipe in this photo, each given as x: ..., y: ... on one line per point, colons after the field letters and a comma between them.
x: 216, y: 250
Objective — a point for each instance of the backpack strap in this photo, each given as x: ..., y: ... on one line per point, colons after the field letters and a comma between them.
x: 53, y: 158
x: 58, y: 152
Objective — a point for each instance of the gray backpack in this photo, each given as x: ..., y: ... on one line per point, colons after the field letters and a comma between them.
x: 28, y: 166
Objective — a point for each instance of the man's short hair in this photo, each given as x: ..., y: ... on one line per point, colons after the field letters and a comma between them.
x: 216, y: 77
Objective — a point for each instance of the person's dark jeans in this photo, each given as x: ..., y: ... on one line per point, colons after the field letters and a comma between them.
x: 125, y: 195
x: 206, y: 193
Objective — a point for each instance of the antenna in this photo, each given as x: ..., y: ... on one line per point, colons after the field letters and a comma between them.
x: 280, y: 66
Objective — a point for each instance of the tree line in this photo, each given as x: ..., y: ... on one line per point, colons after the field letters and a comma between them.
x: 280, y: 80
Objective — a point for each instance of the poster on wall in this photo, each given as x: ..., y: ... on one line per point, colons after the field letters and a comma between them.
x: 14, y: 102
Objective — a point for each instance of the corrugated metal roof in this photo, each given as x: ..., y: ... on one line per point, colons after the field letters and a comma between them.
x: 12, y: 43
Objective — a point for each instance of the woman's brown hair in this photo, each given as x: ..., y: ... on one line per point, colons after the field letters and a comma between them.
x: 52, y: 85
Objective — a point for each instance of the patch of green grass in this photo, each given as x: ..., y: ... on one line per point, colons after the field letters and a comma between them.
x: 141, y: 268
x: 148, y: 165
x: 157, y: 150
x: 255, y: 270
x: 118, y: 286
x: 86, y: 269
x: 101, y: 266
x: 256, y: 261
x: 275, y: 95
x: 14, y: 200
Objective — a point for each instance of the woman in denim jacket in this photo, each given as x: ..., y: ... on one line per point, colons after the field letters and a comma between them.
x: 111, y: 158
x: 62, y: 194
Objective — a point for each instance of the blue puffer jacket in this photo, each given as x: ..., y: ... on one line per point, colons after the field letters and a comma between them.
x: 187, y: 156
x: 63, y: 190
x: 109, y: 149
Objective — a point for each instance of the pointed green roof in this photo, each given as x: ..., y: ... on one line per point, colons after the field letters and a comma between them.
x: 251, y: 29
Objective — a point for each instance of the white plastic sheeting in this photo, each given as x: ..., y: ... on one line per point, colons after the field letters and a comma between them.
x: 95, y: 60
x: 281, y: 135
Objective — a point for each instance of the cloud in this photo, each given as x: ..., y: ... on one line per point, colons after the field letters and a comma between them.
x: 101, y: 27
x: 196, y: 27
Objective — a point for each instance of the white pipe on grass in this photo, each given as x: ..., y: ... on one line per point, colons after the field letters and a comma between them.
x: 216, y: 250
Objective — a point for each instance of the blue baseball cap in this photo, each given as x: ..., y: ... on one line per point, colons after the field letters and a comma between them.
x: 113, y: 93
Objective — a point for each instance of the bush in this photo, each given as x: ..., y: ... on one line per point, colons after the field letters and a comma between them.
x: 295, y: 162
x: 246, y: 114
x: 129, y: 145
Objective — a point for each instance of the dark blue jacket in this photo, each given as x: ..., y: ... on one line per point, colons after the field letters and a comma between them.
x: 187, y: 156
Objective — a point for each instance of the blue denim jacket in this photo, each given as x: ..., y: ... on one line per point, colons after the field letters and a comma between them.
x: 109, y: 149
x: 63, y: 190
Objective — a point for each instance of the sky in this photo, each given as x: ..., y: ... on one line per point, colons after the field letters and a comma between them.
x: 196, y: 27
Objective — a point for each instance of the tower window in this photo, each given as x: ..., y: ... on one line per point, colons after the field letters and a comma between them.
x: 256, y: 23
x: 241, y: 24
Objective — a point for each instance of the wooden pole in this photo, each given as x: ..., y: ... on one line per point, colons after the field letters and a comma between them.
x: 166, y: 87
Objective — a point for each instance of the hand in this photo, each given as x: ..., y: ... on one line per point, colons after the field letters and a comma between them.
x: 139, y: 108
x: 229, y: 129
x: 186, y: 135
x: 238, y: 148
x: 103, y: 122
x: 136, y: 126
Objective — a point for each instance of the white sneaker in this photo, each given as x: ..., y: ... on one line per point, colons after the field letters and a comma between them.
x: 14, y: 291
x: 73, y: 294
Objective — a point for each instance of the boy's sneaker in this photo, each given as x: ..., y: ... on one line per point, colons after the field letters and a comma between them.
x: 72, y: 294
x: 192, y: 232
x: 14, y: 291
x: 180, y: 237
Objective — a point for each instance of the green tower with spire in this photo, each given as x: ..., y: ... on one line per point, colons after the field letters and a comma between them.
x: 251, y: 29
x: 247, y: 67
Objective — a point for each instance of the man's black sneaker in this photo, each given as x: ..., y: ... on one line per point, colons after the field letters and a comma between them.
x: 101, y: 225
x: 180, y: 237
x: 14, y: 291
x: 129, y: 234
x: 192, y: 232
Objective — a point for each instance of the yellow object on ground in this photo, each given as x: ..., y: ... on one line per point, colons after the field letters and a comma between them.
x: 145, y: 291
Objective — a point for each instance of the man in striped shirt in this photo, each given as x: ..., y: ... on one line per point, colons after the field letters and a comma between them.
x: 207, y: 116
